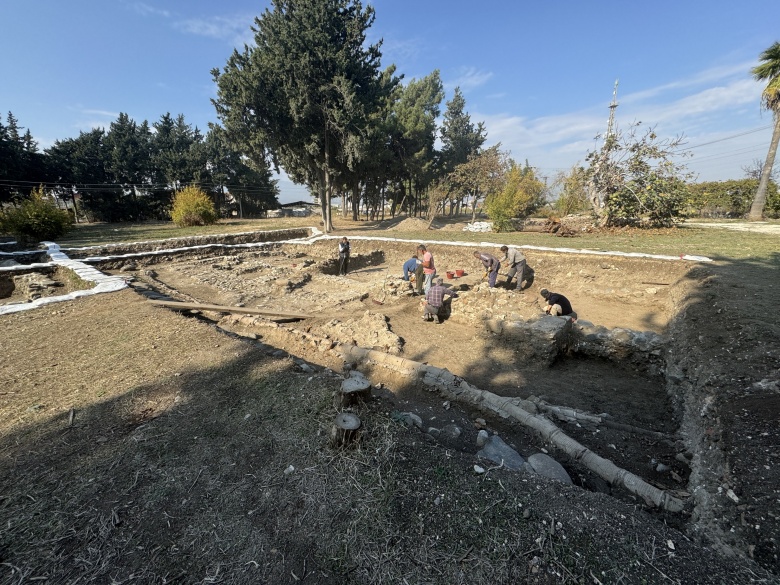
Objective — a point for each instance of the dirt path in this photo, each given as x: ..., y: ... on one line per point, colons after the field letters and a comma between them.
x: 756, y: 226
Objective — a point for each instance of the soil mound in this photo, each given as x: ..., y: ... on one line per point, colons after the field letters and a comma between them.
x: 453, y: 227
x: 410, y: 224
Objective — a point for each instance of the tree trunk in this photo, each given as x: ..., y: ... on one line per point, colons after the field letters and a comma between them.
x: 353, y: 391
x: 323, y: 207
x: 328, y: 210
x: 75, y: 210
x: 346, y: 430
x: 326, y: 190
x: 355, y: 200
x: 759, y: 201
x: 456, y: 388
x: 401, y: 204
x: 412, y: 199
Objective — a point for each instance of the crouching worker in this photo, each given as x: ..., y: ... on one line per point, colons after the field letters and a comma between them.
x: 557, y: 304
x: 491, y: 264
x: 410, y: 267
x: 434, y: 299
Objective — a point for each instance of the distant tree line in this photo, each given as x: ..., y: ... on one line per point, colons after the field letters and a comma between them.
x: 310, y: 96
x: 131, y: 171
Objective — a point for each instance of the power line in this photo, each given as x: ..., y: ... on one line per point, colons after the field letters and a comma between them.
x: 140, y: 186
x: 729, y: 154
x: 727, y: 138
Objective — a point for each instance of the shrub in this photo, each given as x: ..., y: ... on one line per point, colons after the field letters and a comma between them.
x: 637, y: 179
x: 654, y: 201
x: 191, y: 206
x: 37, y: 218
x: 730, y: 198
x: 522, y: 195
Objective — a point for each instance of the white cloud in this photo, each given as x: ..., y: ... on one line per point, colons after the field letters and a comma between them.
x: 708, y: 77
x: 398, y: 51
x: 234, y: 29
x: 146, y: 10
x: 719, y: 105
x: 468, y: 78
x: 105, y: 113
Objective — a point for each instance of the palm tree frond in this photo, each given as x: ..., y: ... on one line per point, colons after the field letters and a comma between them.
x: 769, y: 69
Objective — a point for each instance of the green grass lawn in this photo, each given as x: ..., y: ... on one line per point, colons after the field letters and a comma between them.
x: 94, y: 234
x: 711, y: 242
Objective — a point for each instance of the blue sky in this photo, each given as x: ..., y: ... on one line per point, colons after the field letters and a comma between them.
x: 540, y: 75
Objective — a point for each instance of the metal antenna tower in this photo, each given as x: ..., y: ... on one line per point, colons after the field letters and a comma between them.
x: 612, y: 107
x: 594, y: 195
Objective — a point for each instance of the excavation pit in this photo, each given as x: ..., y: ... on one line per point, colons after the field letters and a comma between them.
x: 609, y: 363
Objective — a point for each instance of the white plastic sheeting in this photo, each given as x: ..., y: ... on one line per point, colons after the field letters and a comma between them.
x: 103, y: 282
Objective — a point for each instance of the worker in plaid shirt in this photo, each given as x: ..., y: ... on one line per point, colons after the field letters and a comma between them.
x: 434, y: 299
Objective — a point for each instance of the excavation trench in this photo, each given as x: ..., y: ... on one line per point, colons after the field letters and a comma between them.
x: 609, y: 366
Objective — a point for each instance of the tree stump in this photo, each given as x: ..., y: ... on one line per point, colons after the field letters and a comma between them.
x: 346, y: 430
x: 353, y: 390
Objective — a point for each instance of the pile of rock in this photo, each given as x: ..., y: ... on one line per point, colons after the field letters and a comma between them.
x: 479, y: 226
x: 370, y: 331
x: 35, y: 285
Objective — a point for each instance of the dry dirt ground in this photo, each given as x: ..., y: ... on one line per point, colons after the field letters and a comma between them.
x: 140, y: 445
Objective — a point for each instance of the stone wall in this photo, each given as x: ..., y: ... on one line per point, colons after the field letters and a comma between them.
x: 174, y: 244
x: 539, y: 339
x: 27, y: 257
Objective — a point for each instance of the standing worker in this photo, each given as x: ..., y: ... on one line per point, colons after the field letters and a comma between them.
x: 343, y: 256
x: 491, y: 264
x: 428, y: 268
x: 516, y: 261
x: 557, y: 304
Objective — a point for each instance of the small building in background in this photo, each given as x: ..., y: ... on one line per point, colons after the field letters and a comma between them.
x: 298, y: 209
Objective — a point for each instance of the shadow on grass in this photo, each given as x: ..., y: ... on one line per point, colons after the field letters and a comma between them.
x: 188, y: 491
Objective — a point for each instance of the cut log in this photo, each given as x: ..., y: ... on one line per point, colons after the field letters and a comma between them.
x: 456, y: 388
x: 353, y: 391
x: 179, y: 306
x: 346, y: 430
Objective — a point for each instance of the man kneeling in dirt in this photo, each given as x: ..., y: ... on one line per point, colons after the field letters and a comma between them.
x: 557, y: 304
x: 434, y: 299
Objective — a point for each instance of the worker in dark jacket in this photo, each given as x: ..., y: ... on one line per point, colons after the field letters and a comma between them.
x: 557, y: 304
x: 491, y: 264
x: 343, y: 256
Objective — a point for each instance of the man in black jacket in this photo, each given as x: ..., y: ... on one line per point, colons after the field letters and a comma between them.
x: 343, y: 256
x: 557, y: 304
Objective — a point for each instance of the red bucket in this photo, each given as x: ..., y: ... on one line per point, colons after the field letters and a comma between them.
x: 459, y: 273
x: 450, y: 275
